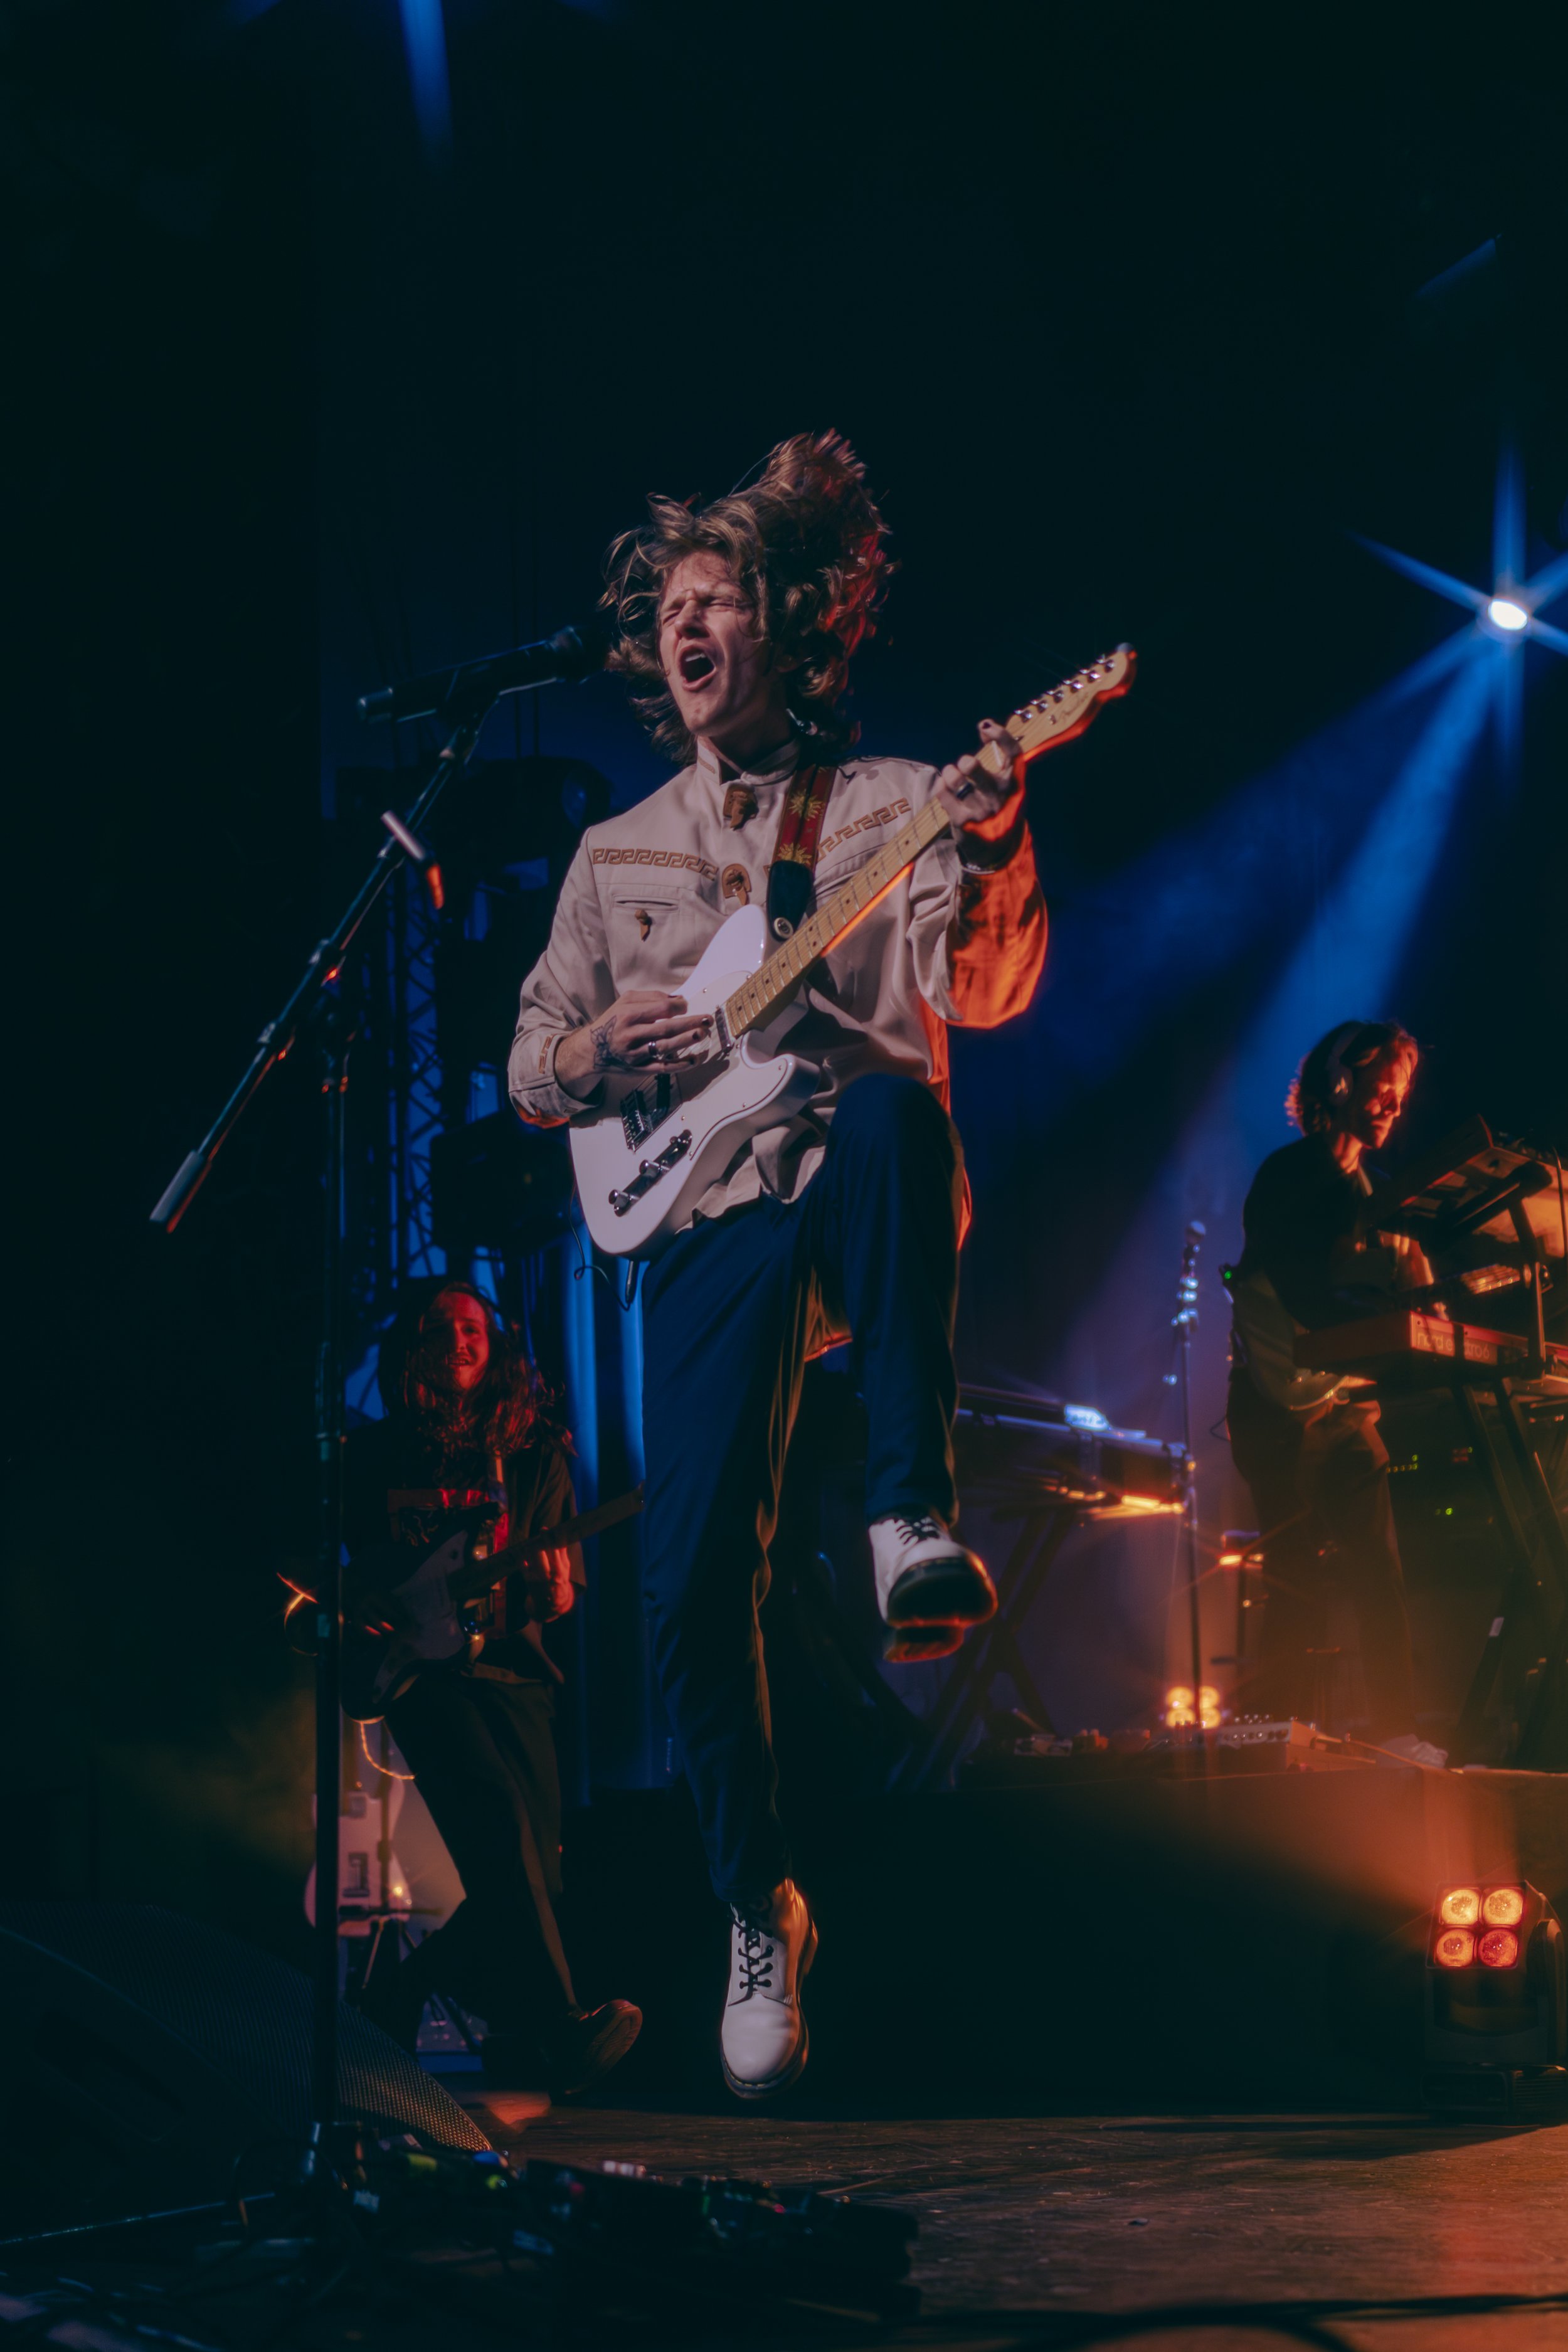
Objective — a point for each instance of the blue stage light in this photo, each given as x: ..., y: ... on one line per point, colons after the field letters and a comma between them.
x: 1502, y: 613
x: 1410, y: 770
x: 425, y: 39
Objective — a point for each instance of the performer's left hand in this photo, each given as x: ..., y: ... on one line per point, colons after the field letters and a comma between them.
x: 970, y: 793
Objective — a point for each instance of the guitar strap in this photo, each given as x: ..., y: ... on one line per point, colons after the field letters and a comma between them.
x: 794, y: 857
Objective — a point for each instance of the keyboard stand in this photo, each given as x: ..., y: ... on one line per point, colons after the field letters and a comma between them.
x: 994, y: 1650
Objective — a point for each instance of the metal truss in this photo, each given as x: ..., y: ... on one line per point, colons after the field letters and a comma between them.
x: 394, y: 1106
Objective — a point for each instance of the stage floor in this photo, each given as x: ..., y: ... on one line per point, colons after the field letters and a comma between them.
x: 1028, y: 2225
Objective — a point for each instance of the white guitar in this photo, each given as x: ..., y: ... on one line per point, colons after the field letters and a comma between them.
x: 654, y: 1142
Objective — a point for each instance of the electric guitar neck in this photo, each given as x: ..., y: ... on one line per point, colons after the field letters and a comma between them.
x: 1055, y: 719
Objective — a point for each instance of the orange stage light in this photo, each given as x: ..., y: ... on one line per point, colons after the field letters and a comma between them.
x: 1498, y: 1948
x: 1503, y: 1906
x: 1461, y: 1908
x: 1455, y: 1948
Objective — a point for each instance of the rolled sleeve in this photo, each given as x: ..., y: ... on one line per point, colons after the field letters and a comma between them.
x: 569, y: 986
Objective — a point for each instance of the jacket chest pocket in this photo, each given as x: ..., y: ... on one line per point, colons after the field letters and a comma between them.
x: 656, y: 935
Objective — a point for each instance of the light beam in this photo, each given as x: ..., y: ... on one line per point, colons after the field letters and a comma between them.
x: 425, y: 39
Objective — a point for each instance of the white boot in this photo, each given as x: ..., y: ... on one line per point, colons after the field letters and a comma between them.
x: 763, y: 2039
x: 925, y: 1577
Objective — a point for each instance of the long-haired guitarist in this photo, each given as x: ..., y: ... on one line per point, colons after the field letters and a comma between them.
x: 736, y: 623
x: 1309, y: 1450
x: 472, y: 1443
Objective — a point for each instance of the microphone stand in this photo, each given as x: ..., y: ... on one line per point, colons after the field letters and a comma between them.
x: 1182, y: 1323
x: 314, y: 1003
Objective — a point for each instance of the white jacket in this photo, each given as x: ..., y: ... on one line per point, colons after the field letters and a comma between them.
x: 647, y: 891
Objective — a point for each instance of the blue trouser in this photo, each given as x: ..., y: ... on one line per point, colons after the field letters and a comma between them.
x: 731, y: 1313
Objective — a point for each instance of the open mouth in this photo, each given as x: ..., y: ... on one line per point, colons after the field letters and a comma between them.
x: 696, y: 666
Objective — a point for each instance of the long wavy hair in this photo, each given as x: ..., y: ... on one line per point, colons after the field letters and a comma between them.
x: 1351, y: 1045
x: 510, y: 1408
x: 805, y: 543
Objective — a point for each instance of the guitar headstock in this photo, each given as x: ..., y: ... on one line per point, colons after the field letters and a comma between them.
x: 1067, y: 709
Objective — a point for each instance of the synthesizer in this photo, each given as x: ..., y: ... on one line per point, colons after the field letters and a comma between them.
x: 1411, y: 1350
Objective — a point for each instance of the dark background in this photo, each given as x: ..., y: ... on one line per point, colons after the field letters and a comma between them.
x: 1124, y: 311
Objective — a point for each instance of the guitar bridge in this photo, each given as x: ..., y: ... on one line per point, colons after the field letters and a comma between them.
x: 652, y: 1172
x: 647, y: 1107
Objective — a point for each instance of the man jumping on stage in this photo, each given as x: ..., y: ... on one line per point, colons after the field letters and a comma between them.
x: 736, y: 623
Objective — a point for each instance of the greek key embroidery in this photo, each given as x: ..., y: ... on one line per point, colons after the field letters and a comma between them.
x: 680, y: 858
x: 862, y: 824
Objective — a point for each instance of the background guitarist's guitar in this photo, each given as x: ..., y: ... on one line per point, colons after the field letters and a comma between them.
x: 653, y: 1143
x: 407, y: 1612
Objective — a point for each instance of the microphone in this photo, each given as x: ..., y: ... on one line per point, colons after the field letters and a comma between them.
x: 572, y: 653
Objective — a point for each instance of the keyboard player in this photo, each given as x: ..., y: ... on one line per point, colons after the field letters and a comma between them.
x: 1310, y: 1452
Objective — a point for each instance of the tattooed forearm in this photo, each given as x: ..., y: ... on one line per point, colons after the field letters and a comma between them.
x: 605, y: 1056
x: 640, y: 1029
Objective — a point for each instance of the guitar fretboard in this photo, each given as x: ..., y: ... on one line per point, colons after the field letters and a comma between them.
x: 766, y: 989
x: 1055, y: 718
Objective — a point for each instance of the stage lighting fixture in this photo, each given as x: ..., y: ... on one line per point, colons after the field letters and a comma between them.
x: 1179, y: 1708
x: 1502, y: 610
x: 1496, y: 2004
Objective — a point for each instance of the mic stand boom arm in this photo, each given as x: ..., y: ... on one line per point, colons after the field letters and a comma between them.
x: 325, y: 961
x: 314, y: 999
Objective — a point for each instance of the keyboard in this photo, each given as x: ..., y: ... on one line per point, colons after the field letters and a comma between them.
x: 1018, y: 1453
x: 1406, y: 1350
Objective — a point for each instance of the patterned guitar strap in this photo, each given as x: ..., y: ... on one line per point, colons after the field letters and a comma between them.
x: 794, y: 858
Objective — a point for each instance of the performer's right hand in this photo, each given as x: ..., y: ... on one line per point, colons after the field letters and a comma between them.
x: 549, y: 1587
x: 645, y: 1029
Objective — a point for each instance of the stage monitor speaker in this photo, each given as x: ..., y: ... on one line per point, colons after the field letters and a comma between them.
x: 144, y: 2057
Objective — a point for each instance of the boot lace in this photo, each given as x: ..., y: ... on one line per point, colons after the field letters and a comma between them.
x: 923, y: 1529
x: 756, y: 1961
